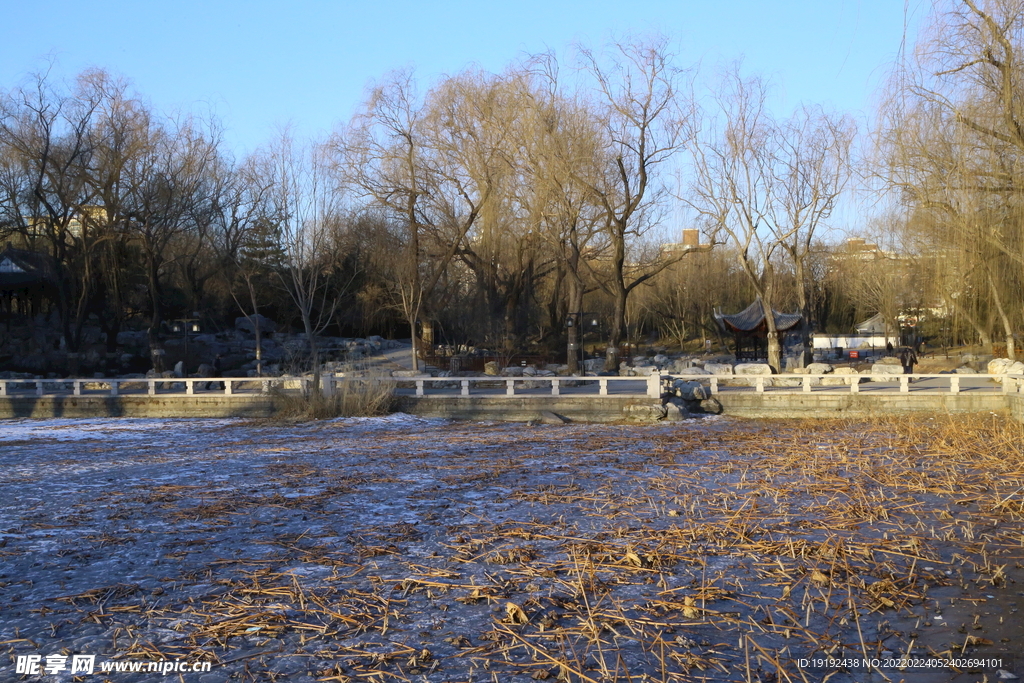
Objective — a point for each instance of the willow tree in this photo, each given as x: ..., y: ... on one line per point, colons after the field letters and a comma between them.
x: 953, y: 134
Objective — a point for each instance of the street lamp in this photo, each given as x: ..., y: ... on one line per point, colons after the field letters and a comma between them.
x: 186, y: 325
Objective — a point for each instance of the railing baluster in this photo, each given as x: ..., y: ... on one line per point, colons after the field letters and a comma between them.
x: 602, y: 385
x: 419, y: 387
x: 510, y: 387
x: 465, y: 387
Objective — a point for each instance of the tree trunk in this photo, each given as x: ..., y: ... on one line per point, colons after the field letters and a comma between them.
x: 1011, y: 352
x: 774, y: 343
x: 575, y: 335
x: 615, y: 334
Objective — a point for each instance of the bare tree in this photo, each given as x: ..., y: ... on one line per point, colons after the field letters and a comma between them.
x: 307, y: 216
x: 644, y: 113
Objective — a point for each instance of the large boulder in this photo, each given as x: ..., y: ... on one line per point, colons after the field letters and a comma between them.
x: 721, y: 369
x: 491, y: 368
x: 693, y: 371
x: 594, y: 365
x: 840, y: 377
x: 752, y: 369
x: 889, y: 360
x: 711, y: 405
x: 966, y: 370
x: 676, y: 410
x: 249, y: 324
x: 819, y: 369
x: 1016, y: 368
x: 999, y: 366
x: 512, y: 371
x: 886, y: 369
x: 689, y: 390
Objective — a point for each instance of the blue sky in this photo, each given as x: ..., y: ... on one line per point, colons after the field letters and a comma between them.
x: 262, y: 65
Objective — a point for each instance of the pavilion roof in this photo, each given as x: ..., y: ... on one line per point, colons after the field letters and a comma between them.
x: 751, y: 319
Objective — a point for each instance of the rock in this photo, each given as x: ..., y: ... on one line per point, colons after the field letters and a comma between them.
x: 676, y: 410
x: 529, y: 371
x: 889, y: 360
x: 690, y: 390
x: 512, y: 371
x: 752, y: 369
x: 819, y: 369
x: 248, y: 324
x: 646, y: 370
x: 661, y: 360
x: 718, y: 368
x: 132, y: 338
x: 1006, y: 675
x: 491, y: 368
x: 886, y: 369
x: 549, y: 418
x: 965, y: 370
x: 626, y: 371
x: 999, y: 366
x: 711, y: 405
x: 693, y: 371
x: 1016, y: 369
x: 786, y: 381
x: 841, y: 377
x: 593, y: 365
x: 179, y: 369
x: 405, y: 373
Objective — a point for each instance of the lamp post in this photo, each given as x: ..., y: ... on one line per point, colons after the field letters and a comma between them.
x: 186, y: 325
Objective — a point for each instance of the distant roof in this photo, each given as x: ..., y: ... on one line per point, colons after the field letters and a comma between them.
x: 751, y: 319
x: 875, y: 324
x: 20, y: 268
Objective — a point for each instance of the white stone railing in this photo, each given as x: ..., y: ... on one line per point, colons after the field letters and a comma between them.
x: 187, y: 386
x: 1011, y: 384
x: 653, y: 385
x: 151, y: 386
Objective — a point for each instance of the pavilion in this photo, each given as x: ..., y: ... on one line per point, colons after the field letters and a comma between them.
x: 750, y: 329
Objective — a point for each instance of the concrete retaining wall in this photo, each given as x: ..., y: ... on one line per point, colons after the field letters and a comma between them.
x: 526, y: 408
x: 822, y: 405
x: 136, y: 406
x: 1015, y: 403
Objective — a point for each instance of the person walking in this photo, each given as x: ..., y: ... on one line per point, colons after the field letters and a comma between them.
x: 908, y: 359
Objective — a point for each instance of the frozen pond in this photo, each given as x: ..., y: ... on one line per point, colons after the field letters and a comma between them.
x: 423, y: 550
